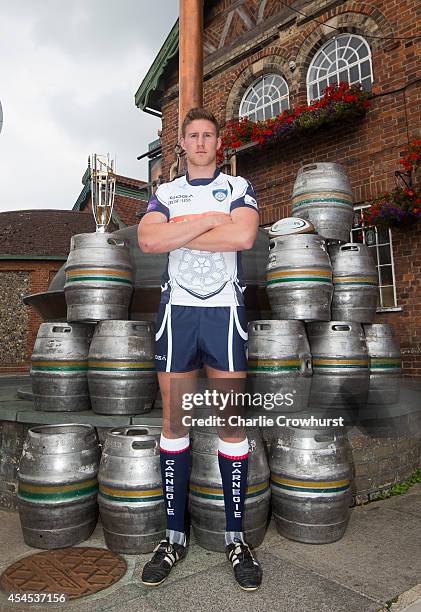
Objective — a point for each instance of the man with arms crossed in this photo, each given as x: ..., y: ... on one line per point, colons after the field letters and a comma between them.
x: 203, y: 220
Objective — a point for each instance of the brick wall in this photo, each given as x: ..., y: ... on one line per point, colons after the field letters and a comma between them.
x: 21, y: 277
x: 241, y: 45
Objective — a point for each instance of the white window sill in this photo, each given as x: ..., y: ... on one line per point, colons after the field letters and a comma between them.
x: 389, y: 309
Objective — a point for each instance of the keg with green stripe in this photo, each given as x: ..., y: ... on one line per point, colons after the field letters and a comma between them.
x: 57, y: 485
x: 299, y: 277
x: 311, y: 483
x: 355, y: 283
x: 131, y: 501
x: 207, y: 496
x: 322, y: 195
x: 279, y: 362
x: 385, y: 366
x: 121, y: 369
x: 340, y: 366
x: 98, y: 283
x: 59, y: 367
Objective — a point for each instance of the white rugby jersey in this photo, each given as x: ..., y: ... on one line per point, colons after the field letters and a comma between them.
x: 202, y: 278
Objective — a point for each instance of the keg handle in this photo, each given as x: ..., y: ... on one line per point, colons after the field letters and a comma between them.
x: 341, y: 327
x: 324, y: 438
x: 349, y: 247
x: 61, y: 330
x: 116, y: 242
x: 144, y: 444
x: 306, y: 364
x: 272, y: 244
x: 261, y: 326
x: 309, y: 167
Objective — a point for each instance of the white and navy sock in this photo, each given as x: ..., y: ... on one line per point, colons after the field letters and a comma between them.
x: 175, y: 469
x: 233, y: 464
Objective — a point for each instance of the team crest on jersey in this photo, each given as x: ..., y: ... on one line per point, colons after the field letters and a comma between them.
x: 220, y: 194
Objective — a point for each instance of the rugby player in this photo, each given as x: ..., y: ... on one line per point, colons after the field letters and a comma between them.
x: 204, y: 220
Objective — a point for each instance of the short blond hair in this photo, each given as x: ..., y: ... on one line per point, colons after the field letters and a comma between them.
x: 199, y: 113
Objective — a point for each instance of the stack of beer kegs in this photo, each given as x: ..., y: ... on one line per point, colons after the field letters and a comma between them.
x: 322, y: 289
x: 98, y: 358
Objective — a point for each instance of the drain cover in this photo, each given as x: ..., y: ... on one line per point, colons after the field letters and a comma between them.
x: 75, y: 571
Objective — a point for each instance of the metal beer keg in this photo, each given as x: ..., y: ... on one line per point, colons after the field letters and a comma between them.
x: 57, y: 485
x: 322, y: 194
x: 279, y: 362
x: 59, y: 367
x: 385, y: 365
x: 121, y: 370
x: 310, y: 482
x: 131, y: 502
x: 207, y: 496
x: 355, y: 283
x: 340, y: 365
x: 98, y: 283
x: 299, y: 277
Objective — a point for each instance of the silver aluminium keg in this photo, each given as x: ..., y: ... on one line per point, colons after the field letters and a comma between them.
x: 322, y: 195
x: 385, y: 365
x: 57, y: 485
x: 121, y: 369
x: 340, y: 365
x: 299, y: 277
x: 59, y: 367
x: 279, y: 362
x: 355, y: 283
x: 207, y: 496
x: 310, y: 482
x: 131, y: 501
x: 98, y: 283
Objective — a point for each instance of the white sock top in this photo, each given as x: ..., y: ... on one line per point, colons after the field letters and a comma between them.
x: 233, y: 449
x: 174, y: 444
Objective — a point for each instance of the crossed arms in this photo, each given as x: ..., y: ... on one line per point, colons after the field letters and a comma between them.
x: 218, y: 232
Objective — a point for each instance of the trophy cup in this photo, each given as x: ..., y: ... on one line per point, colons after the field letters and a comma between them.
x: 102, y: 189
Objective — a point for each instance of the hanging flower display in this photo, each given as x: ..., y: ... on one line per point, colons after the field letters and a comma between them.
x: 340, y: 103
x: 402, y: 206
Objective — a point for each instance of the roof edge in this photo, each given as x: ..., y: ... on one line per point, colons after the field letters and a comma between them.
x: 151, y: 81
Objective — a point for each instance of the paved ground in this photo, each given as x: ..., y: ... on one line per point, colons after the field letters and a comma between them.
x: 378, y: 559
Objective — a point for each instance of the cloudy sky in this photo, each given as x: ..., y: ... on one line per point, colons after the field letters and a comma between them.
x: 68, y: 75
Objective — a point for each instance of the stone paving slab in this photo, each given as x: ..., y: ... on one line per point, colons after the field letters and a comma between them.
x: 286, y: 588
x: 379, y: 555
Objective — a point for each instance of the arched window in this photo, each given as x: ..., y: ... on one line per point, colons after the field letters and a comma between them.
x: 265, y: 98
x: 345, y: 58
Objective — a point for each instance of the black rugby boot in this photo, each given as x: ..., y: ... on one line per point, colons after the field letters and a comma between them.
x: 165, y: 556
x: 247, y: 570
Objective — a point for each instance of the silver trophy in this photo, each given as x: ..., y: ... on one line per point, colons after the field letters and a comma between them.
x: 102, y: 189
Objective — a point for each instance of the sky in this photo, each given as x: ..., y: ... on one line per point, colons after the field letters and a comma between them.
x: 68, y: 75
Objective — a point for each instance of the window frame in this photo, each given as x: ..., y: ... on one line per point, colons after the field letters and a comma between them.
x: 263, y: 107
x: 363, y: 228
x: 309, y: 84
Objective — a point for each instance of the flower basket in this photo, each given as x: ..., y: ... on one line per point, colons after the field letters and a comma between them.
x: 342, y: 103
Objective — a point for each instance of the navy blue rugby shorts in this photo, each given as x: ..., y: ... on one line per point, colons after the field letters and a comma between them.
x: 187, y: 337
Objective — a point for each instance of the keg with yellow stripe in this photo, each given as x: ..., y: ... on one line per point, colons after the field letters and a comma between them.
x: 57, y: 485
x: 385, y: 366
x: 121, y: 369
x: 311, y: 484
x: 322, y: 195
x: 299, y: 277
x: 355, y: 283
x: 340, y: 366
x: 279, y: 363
x: 207, y: 496
x: 59, y: 367
x: 131, y: 501
x: 99, y: 277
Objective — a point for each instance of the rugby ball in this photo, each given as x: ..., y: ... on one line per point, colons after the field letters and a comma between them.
x: 291, y: 225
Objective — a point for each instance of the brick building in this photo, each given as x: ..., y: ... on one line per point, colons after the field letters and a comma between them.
x: 34, y: 245
x: 295, y: 46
